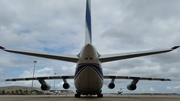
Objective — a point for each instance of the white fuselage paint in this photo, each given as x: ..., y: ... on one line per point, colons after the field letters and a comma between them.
x: 88, y: 76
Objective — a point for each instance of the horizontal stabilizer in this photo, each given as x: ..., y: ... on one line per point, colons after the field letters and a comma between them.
x: 120, y: 56
x: 64, y: 57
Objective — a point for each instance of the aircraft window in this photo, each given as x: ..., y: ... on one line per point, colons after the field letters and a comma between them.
x: 86, y: 58
x: 91, y: 58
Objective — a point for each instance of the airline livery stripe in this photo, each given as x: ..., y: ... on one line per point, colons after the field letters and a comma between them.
x: 88, y: 19
x: 80, y: 68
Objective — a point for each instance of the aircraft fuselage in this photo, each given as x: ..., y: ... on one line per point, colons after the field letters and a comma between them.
x: 88, y: 76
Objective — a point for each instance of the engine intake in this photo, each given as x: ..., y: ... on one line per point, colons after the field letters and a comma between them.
x: 131, y: 86
x: 111, y: 85
x: 66, y: 86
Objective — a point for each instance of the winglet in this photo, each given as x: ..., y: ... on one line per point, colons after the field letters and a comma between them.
x: 2, y: 48
x: 175, y: 47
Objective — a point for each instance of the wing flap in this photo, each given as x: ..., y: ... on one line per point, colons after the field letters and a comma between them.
x: 138, y: 78
x: 64, y: 57
x: 120, y: 56
x: 40, y: 78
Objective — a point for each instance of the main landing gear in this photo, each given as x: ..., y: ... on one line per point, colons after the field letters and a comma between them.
x: 99, y: 95
x: 77, y: 95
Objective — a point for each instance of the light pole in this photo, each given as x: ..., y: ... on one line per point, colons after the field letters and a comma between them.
x: 33, y: 75
x: 54, y: 81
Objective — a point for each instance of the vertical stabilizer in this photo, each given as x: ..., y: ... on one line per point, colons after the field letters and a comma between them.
x: 88, y: 36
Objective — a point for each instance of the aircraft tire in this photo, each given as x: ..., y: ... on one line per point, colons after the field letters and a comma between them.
x: 77, y: 95
x: 100, y: 95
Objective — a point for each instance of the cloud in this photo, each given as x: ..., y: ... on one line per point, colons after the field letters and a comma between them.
x: 151, y: 89
x: 1, y: 70
x: 173, y: 88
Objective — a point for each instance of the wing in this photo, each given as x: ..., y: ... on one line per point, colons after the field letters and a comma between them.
x: 71, y: 77
x: 136, y: 78
x: 113, y: 57
x: 69, y: 58
x: 40, y: 78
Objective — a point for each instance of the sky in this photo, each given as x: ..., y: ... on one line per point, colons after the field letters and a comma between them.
x: 118, y: 26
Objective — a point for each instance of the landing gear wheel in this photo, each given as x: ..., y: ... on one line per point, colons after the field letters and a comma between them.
x: 77, y: 95
x: 100, y: 95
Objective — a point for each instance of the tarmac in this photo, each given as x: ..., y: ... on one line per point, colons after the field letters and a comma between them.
x: 90, y: 98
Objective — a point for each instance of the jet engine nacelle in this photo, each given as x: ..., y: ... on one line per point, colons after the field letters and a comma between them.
x: 111, y: 85
x: 45, y: 86
x: 131, y: 86
x: 66, y: 86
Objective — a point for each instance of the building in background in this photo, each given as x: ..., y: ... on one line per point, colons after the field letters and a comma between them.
x: 23, y: 90
x: 18, y: 90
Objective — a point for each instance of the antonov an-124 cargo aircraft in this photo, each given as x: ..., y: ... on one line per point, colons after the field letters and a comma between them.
x: 88, y: 77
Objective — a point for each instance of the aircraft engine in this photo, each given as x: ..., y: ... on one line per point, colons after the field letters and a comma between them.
x: 66, y: 86
x: 131, y: 86
x: 45, y: 86
x: 111, y: 85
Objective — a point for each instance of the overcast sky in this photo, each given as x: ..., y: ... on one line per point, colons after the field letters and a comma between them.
x: 118, y: 26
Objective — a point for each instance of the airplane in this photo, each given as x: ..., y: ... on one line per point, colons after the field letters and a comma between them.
x: 88, y: 77
x: 120, y: 92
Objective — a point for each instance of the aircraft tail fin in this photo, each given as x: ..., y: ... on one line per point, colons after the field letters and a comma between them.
x: 88, y: 35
